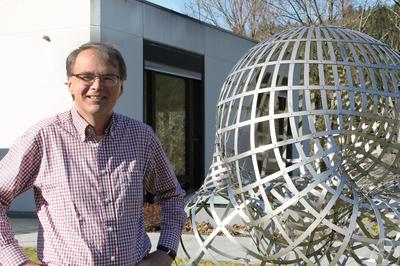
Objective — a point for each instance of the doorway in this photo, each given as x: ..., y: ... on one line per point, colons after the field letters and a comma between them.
x: 174, y: 108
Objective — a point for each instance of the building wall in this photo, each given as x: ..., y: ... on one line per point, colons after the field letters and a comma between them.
x: 35, y: 68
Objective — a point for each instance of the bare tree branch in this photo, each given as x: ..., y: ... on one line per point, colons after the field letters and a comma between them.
x: 330, y: 10
x: 365, y: 14
x: 287, y: 14
x: 259, y: 19
x: 395, y: 19
x: 317, y: 11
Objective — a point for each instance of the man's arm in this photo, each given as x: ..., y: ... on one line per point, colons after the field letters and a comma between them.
x: 17, y: 171
x: 161, y: 181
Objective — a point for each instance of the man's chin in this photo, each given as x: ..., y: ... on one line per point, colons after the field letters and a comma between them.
x: 95, y: 111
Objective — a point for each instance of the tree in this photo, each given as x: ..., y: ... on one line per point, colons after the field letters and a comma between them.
x: 243, y: 17
x: 317, y: 12
x: 259, y: 19
x: 392, y: 32
x: 304, y: 12
x: 386, y: 25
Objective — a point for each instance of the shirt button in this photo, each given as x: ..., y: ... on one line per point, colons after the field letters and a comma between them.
x: 112, y: 258
x: 110, y: 229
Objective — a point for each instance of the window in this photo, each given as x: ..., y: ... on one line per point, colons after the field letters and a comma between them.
x: 174, y: 107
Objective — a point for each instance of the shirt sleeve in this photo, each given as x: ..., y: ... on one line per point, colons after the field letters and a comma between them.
x: 17, y: 171
x: 161, y: 181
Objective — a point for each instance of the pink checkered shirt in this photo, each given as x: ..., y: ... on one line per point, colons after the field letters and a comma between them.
x: 89, y: 192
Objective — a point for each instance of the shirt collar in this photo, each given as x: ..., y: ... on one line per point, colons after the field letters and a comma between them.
x: 85, y: 130
x: 110, y: 130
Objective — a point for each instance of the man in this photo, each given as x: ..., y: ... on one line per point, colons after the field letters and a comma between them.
x: 88, y: 168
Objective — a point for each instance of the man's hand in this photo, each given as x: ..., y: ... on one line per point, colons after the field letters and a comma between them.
x: 156, y: 258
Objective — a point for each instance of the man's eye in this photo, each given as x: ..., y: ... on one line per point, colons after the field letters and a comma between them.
x: 108, y: 78
x: 87, y: 77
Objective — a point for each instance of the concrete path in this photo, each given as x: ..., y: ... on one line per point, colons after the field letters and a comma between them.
x: 26, y: 233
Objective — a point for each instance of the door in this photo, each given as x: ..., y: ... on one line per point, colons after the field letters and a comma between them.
x: 174, y: 108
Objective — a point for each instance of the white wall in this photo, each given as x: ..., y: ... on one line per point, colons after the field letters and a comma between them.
x: 33, y: 69
x: 122, y: 25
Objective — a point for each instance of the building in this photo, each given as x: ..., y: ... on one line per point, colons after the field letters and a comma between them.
x: 176, y: 66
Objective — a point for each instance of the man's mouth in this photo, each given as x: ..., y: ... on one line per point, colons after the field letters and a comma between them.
x: 95, y: 97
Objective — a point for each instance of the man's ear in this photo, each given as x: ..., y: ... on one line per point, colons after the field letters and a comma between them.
x: 122, y: 90
x: 69, y: 84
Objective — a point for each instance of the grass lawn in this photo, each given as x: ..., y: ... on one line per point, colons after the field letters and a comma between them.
x: 31, y: 252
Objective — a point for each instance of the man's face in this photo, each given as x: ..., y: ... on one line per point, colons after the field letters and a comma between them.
x: 94, y: 100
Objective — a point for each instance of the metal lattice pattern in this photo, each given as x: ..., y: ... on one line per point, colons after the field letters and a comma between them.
x: 307, y: 151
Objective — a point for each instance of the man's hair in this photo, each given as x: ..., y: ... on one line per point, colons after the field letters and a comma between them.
x: 106, y: 51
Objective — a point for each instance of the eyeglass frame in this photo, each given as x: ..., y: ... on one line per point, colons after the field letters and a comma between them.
x: 115, y: 78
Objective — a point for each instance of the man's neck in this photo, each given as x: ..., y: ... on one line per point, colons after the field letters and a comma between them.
x: 99, y: 125
x: 98, y: 122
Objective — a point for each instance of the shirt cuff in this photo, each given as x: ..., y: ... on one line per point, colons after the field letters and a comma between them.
x: 12, y: 254
x: 170, y: 239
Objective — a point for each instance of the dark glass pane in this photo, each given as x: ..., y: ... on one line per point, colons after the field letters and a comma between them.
x: 170, y: 118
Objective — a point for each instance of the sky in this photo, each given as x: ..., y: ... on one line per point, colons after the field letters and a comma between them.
x: 176, y: 5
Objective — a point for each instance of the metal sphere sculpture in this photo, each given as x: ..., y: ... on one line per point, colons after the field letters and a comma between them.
x: 307, y: 152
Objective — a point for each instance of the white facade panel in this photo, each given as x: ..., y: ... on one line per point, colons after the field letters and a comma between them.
x: 171, y: 29
x: 228, y: 47
x: 122, y: 16
x: 35, y: 71
x: 36, y: 37
x: 25, y: 16
x: 131, y: 48
x: 215, y: 72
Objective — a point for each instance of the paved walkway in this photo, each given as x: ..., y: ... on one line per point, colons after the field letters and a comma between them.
x: 26, y: 233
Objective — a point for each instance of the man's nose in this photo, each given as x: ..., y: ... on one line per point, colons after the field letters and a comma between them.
x: 96, y: 83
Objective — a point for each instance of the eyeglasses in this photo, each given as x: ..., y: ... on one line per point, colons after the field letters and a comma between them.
x: 106, y: 79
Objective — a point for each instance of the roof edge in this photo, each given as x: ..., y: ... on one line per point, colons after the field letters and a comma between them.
x: 195, y: 20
